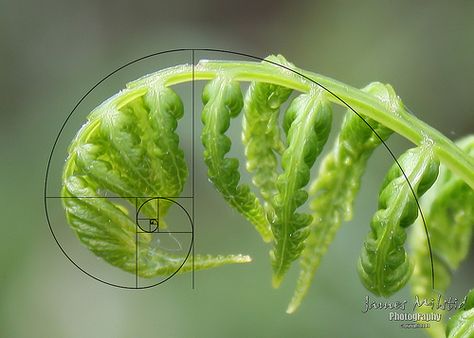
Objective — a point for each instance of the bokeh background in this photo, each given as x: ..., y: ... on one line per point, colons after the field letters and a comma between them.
x: 53, y: 51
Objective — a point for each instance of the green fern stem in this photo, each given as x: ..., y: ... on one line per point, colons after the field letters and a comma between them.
x: 397, y: 118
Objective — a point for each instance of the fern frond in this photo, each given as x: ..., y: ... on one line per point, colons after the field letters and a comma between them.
x: 129, y: 148
x: 261, y: 132
x: 384, y: 266
x: 337, y: 184
x: 222, y: 100
x: 450, y: 221
x: 307, y: 123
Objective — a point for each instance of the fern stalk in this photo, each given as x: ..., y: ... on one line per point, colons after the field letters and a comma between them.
x: 399, y: 120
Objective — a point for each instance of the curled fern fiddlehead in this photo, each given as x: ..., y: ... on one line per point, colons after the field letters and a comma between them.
x: 129, y: 147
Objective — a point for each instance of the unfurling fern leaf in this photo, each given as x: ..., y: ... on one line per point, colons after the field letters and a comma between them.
x: 384, y: 266
x: 307, y: 123
x: 222, y: 100
x: 261, y: 132
x: 337, y: 184
x: 450, y: 218
x: 129, y: 147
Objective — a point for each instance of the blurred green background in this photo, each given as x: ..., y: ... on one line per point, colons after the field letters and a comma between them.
x: 53, y: 51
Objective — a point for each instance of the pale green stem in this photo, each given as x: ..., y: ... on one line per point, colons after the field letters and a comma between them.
x: 398, y: 120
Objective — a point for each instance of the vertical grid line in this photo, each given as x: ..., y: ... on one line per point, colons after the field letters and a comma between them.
x: 193, y: 169
x: 136, y: 244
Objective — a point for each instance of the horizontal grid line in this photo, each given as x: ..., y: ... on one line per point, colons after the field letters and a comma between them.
x: 57, y: 197
x: 164, y: 232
